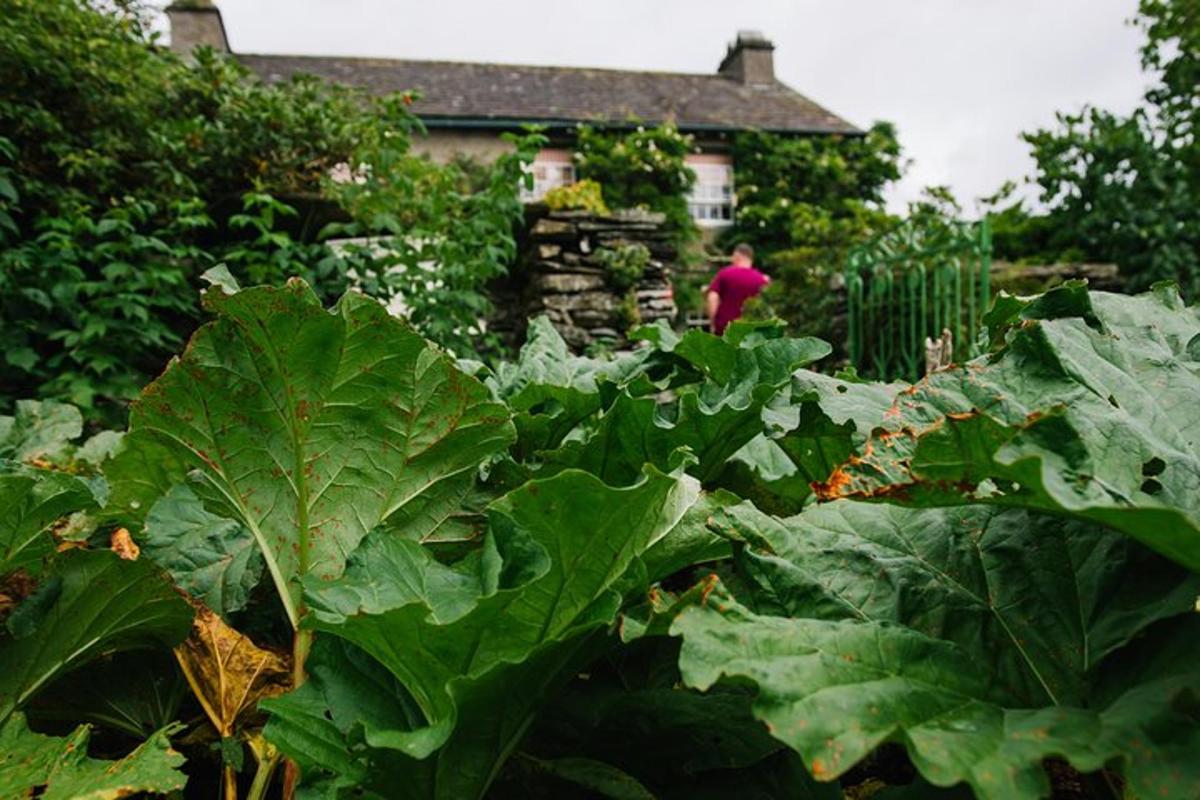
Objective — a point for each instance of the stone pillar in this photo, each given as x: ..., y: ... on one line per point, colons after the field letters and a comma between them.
x: 559, y: 274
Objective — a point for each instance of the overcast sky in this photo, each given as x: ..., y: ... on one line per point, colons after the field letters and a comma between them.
x: 960, y: 78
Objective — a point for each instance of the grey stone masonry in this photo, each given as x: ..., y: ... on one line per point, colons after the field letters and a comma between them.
x: 560, y: 274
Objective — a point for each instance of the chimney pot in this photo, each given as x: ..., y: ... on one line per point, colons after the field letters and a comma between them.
x: 749, y: 60
x: 196, y: 23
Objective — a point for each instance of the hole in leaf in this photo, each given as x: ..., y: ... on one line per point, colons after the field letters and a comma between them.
x: 1113, y: 401
x: 1154, y: 466
x: 842, y: 388
x: 1151, y: 486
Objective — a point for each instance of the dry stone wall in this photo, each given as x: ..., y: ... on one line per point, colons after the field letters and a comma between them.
x: 561, y: 273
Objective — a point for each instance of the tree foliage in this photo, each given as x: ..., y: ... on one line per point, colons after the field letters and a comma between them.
x: 1125, y: 188
x: 802, y: 203
x: 640, y: 168
x: 125, y: 173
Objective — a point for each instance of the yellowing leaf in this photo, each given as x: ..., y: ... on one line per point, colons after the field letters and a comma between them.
x: 227, y: 671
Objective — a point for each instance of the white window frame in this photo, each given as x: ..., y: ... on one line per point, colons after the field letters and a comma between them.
x: 551, y: 168
x: 712, y: 199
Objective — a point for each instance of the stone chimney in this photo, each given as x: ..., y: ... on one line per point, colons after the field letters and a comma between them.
x: 749, y: 60
x: 196, y: 23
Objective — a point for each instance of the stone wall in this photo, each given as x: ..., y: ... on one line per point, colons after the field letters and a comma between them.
x: 558, y: 274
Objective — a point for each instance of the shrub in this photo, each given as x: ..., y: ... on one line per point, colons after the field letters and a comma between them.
x: 584, y: 195
x: 642, y: 168
x: 624, y: 264
x: 125, y: 173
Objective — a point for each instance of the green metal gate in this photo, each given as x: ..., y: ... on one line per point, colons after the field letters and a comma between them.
x: 910, y: 284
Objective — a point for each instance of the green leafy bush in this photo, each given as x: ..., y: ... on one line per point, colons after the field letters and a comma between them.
x: 584, y: 195
x: 624, y: 264
x: 1122, y: 188
x: 803, y: 203
x: 125, y: 173
x: 641, y: 168
x: 513, y: 583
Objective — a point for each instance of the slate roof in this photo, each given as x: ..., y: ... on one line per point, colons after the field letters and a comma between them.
x: 462, y: 94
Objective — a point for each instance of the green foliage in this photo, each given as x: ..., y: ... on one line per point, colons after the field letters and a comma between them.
x: 59, y: 768
x: 585, y: 195
x: 526, y: 608
x: 1124, y: 189
x: 627, y: 313
x: 624, y: 264
x: 90, y: 602
x: 987, y: 433
x: 503, y: 629
x: 641, y: 168
x: 802, y: 203
x: 351, y: 377
x: 125, y: 173
x: 427, y: 242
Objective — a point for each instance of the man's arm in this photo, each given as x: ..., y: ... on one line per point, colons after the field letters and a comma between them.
x: 711, y: 301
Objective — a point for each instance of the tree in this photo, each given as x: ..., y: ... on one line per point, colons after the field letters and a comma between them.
x: 1126, y: 188
x: 125, y: 173
x: 802, y: 203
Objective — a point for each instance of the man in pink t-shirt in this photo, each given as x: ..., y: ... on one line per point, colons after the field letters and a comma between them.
x: 732, y: 287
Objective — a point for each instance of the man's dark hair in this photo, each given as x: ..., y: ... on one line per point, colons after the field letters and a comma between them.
x: 745, y: 250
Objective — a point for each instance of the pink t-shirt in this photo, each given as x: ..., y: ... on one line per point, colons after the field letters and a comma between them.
x: 734, y: 285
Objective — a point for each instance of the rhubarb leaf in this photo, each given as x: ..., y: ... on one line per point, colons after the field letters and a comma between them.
x: 309, y: 427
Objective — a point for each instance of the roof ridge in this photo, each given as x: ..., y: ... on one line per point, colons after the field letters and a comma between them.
x: 451, y: 62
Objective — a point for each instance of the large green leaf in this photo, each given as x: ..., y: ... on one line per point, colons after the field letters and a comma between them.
x: 836, y: 690
x: 92, y: 602
x: 54, y: 768
x: 1042, y: 600
x: 1088, y: 409
x: 30, y: 502
x: 213, y: 559
x: 551, y: 390
x: 712, y: 419
x: 984, y: 639
x: 479, y: 646
x: 308, y: 426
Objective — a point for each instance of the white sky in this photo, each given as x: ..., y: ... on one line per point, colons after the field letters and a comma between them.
x: 960, y: 78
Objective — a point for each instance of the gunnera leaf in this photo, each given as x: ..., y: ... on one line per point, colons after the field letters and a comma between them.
x: 713, y: 419
x: 1072, y: 415
x: 309, y: 427
x: 551, y: 390
x: 983, y: 639
x: 58, y: 768
x: 136, y: 692
x: 214, y: 560
x: 95, y: 603
x: 477, y: 647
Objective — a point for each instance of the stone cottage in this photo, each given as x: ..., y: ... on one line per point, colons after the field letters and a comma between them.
x: 466, y: 106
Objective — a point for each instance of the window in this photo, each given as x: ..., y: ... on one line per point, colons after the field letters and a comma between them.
x: 711, y: 200
x: 551, y: 168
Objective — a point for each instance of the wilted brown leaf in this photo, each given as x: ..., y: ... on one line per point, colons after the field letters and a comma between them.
x: 228, y: 672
